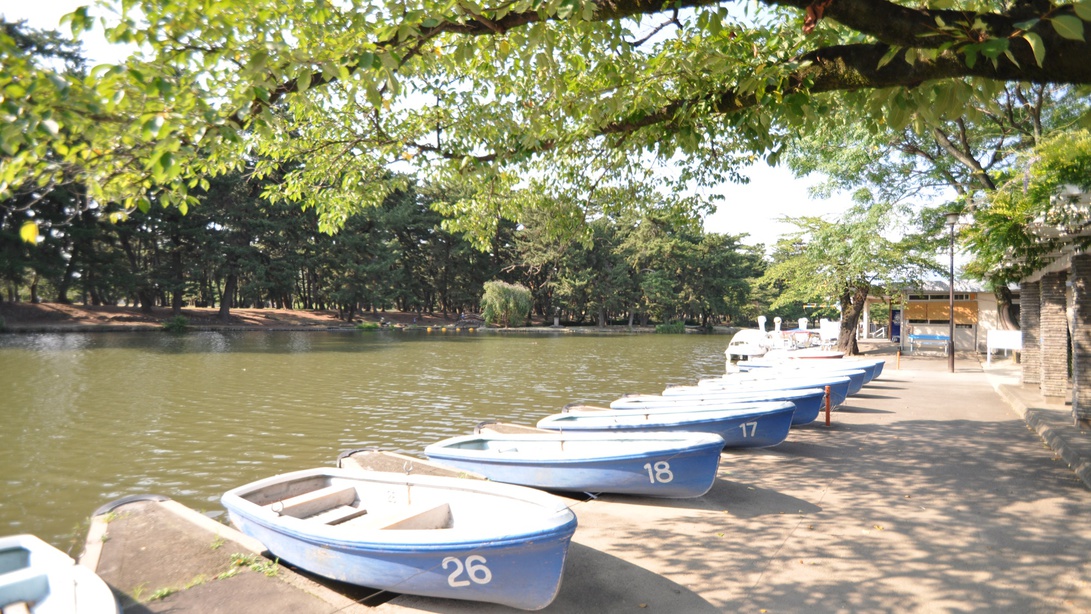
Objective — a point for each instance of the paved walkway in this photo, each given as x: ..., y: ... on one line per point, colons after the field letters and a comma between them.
x: 1052, y: 421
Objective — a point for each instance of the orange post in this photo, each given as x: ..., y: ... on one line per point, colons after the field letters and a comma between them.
x: 898, y: 366
x: 827, y: 405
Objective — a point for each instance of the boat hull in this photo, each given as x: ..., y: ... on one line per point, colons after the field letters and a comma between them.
x: 659, y: 465
x: 516, y: 559
x: 872, y: 367
x: 857, y: 378
x: 839, y: 387
x: 808, y: 402
x: 753, y: 425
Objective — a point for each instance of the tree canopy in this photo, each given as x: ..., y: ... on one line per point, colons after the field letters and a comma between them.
x: 515, y: 99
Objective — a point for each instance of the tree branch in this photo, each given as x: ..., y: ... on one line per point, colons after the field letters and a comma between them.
x: 965, y: 159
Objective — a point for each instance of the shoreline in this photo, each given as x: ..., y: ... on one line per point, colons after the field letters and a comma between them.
x: 48, y: 318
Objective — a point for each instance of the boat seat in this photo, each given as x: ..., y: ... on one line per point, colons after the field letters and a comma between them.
x: 315, y: 502
x: 338, y: 515
x: 582, y: 407
x: 17, y: 608
x: 26, y: 585
x: 413, y: 517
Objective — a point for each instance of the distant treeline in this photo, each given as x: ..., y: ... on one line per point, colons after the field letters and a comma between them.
x: 237, y: 249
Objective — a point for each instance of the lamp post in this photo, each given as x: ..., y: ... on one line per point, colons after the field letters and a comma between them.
x: 952, y: 219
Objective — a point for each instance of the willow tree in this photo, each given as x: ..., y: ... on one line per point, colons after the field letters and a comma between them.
x: 517, y: 98
x: 506, y: 304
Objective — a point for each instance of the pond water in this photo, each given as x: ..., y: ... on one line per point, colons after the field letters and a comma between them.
x: 89, y: 418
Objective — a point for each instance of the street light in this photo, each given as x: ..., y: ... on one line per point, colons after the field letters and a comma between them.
x: 952, y: 219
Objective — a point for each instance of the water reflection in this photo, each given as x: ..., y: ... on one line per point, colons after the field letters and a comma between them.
x: 90, y: 418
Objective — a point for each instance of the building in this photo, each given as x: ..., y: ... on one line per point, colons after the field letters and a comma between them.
x: 926, y: 311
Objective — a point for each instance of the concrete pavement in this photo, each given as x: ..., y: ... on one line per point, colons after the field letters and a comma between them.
x: 1052, y: 421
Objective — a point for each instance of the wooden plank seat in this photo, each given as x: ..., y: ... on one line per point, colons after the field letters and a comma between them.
x: 583, y: 407
x: 24, y: 585
x: 338, y: 515
x: 337, y: 504
x: 413, y: 517
x: 505, y: 428
x: 315, y: 502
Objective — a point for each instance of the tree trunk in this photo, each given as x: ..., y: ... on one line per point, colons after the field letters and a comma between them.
x: 34, y: 298
x: 178, y: 276
x: 602, y: 317
x: 852, y: 307
x: 1003, y: 309
x: 145, y: 294
x: 66, y: 279
x: 228, y: 297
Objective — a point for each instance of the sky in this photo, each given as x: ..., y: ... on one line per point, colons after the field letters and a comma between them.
x: 752, y: 209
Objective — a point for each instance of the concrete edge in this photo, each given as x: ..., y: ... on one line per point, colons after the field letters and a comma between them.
x: 335, y: 599
x: 98, y: 531
x: 1080, y: 466
x: 92, y: 546
x: 218, y: 529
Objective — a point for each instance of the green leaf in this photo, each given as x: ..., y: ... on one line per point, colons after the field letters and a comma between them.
x: 28, y: 232
x: 1026, y: 25
x: 374, y: 96
x: 150, y: 128
x: 1083, y: 9
x: 565, y: 10
x: 888, y: 56
x: 1068, y: 26
x: 1036, y: 46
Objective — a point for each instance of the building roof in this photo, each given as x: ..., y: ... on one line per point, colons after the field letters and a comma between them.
x: 1065, y: 232
x: 942, y: 287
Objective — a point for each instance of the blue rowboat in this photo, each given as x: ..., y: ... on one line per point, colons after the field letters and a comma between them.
x: 38, y: 578
x: 872, y: 366
x: 856, y: 377
x: 809, y: 402
x: 416, y: 534
x: 839, y: 387
x: 744, y: 425
x: 651, y: 464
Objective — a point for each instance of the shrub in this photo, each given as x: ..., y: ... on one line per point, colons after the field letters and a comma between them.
x: 676, y: 328
x: 367, y: 326
x: 177, y: 324
x: 505, y: 304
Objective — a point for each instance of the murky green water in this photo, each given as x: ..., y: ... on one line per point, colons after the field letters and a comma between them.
x: 88, y: 418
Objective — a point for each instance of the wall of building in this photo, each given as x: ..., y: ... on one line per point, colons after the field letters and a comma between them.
x: 926, y: 313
